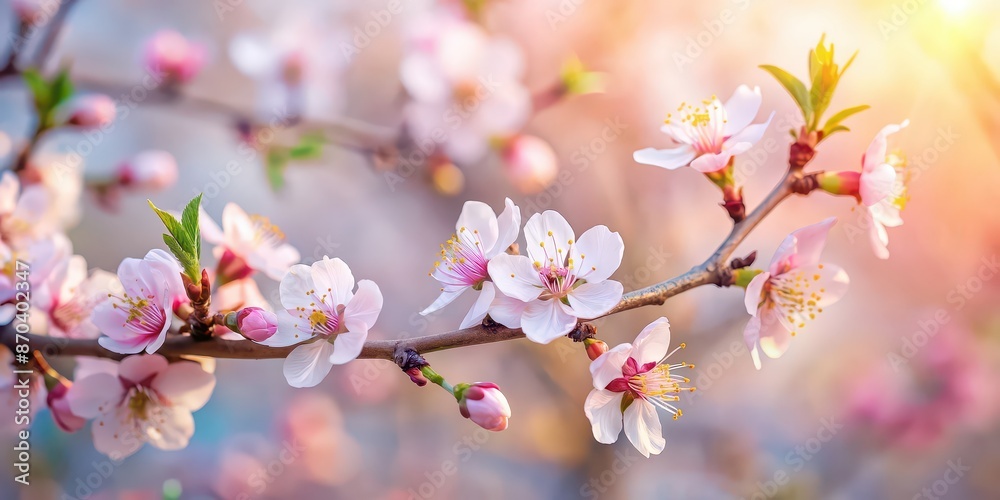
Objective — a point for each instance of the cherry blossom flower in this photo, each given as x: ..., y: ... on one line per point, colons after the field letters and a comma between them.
x: 139, y: 316
x: 530, y: 163
x: 883, y: 193
x: 630, y: 382
x: 151, y: 170
x: 709, y: 137
x: 173, y: 56
x: 878, y: 173
x: 143, y: 399
x: 247, y: 243
x: 23, y: 211
x: 322, y: 307
x: 561, y: 279
x: 484, y: 404
x: 792, y: 292
x: 87, y: 111
x: 58, y: 404
x: 70, y: 296
x: 465, y: 86
x: 479, y: 237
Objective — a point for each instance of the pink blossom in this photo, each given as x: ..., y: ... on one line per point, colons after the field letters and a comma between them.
x: 792, y: 292
x: 884, y: 194
x: 325, y: 316
x: 630, y: 382
x: 58, y: 404
x: 151, y: 170
x: 709, y: 137
x: 88, y: 111
x: 175, y: 57
x: 878, y: 175
x: 142, y: 399
x: 559, y: 280
x: 24, y: 211
x: 138, y: 317
x: 479, y: 237
x: 256, y: 324
x: 70, y: 296
x: 484, y: 404
x: 247, y: 243
x: 530, y: 163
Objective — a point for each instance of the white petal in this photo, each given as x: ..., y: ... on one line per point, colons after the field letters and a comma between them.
x: 603, y: 408
x: 481, y: 220
x: 876, y: 152
x: 653, y: 342
x: 546, y: 320
x: 90, y: 396
x: 548, y: 236
x: 670, y: 159
x: 741, y: 108
x: 755, y: 292
x: 877, y: 183
x: 508, y: 227
x: 712, y: 162
x: 362, y: 311
x: 185, y: 384
x: 642, y: 426
x: 592, y: 300
x: 448, y: 295
x: 608, y: 366
x: 173, y: 432
x: 507, y: 310
x: 289, y: 332
x: 308, y: 364
x: 751, y: 336
x: 750, y: 135
x: 482, y: 306
x: 774, y: 336
x: 209, y: 229
x: 333, y: 277
x: 515, y: 276
x: 598, y: 254
x: 113, y: 436
x: 828, y: 281
x: 295, y: 287
x: 347, y: 346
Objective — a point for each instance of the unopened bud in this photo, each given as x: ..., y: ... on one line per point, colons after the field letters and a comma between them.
x: 840, y: 183
x: 174, y: 57
x: 88, y: 111
x: 530, y: 163
x: 253, y: 323
x: 152, y: 170
x: 595, y: 347
x: 484, y: 404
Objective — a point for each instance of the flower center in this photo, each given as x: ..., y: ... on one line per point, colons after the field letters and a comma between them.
x: 795, y: 296
x: 266, y: 233
x: 703, y: 124
x: 143, y: 315
x: 323, y: 319
x: 654, y: 382
x: 139, y: 404
x: 463, y: 261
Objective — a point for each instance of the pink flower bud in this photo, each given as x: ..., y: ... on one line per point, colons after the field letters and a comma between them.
x: 28, y: 10
x: 89, y: 111
x: 173, y: 56
x: 530, y: 163
x: 152, y: 170
x: 484, y: 404
x: 595, y: 347
x: 59, y: 406
x: 256, y: 324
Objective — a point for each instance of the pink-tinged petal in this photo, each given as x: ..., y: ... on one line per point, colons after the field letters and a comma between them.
x: 9, y: 188
x: 507, y: 310
x: 598, y: 254
x: 608, y: 366
x: 185, y: 384
x: 508, y: 227
x: 653, y: 342
x: 481, y: 220
x: 679, y: 134
x: 875, y: 155
x: 546, y: 320
x: 132, y: 346
x: 291, y: 331
x: 236, y: 224
x: 828, y: 283
x: 347, y: 346
x: 482, y: 305
x: 751, y: 336
x: 886, y: 213
x: 515, y: 276
x: 156, y: 342
x: 447, y: 296
x: 173, y: 432
x: 642, y: 426
x: 141, y: 369
x: 279, y: 261
x: 712, y: 162
x: 543, y: 247
x: 308, y: 364
x: 603, y: 409
x: 333, y: 277
x: 114, y: 436
x: 95, y: 394
x: 755, y: 292
x: 362, y: 311
x: 774, y: 336
x: 87, y: 366
x: 741, y: 109
x: 592, y: 300
x: 670, y: 159
x: 879, y: 238
x: 295, y: 287
x: 803, y: 247
x: 877, y: 183
x: 749, y: 136
x: 422, y: 80
x: 209, y: 229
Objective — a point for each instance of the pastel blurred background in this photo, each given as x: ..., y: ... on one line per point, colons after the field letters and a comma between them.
x: 849, y: 412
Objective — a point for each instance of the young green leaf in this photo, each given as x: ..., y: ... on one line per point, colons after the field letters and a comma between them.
x: 794, y: 86
x: 841, y: 116
x: 189, y: 221
x: 183, y: 237
x: 39, y: 90
x: 276, y: 162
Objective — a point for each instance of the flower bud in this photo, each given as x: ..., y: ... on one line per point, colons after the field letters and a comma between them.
x: 530, y: 163
x: 484, y: 404
x: 840, y: 183
x: 28, y: 10
x: 88, y: 111
x: 254, y: 323
x: 595, y: 347
x: 56, y: 400
x: 151, y: 170
x: 174, y: 57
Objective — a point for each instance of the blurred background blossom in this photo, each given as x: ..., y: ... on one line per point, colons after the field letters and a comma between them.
x: 892, y: 394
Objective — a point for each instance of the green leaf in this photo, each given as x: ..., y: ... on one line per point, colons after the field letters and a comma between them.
x: 173, y: 226
x: 309, y: 147
x: 40, y: 90
x: 841, y: 116
x: 61, y: 88
x: 834, y: 130
x: 277, y: 160
x: 189, y: 221
x: 183, y: 237
x: 794, y: 86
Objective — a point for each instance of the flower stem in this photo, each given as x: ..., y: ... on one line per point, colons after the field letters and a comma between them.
x: 435, y: 377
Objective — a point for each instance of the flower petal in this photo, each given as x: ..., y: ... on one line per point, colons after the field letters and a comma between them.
x: 141, y: 369
x: 114, y: 436
x: 90, y: 396
x: 482, y: 306
x: 548, y: 237
x: 447, y: 296
x: 755, y: 292
x: 642, y: 426
x: 546, y: 320
x: 608, y: 366
x: 712, y: 162
x: 333, y: 277
x: 741, y: 108
x: 877, y: 183
x: 876, y: 152
x: 653, y: 342
x: 748, y: 136
x: 507, y: 310
x: 592, y: 300
x: 291, y: 330
x: 347, y: 346
x: 598, y: 254
x: 774, y: 336
x: 515, y: 276
x: 751, y: 336
x: 603, y: 408
x: 508, y: 227
x: 803, y: 247
x: 308, y: 364
x: 670, y: 159
x: 478, y: 218
x: 185, y: 384
x: 363, y: 309
x: 173, y: 431
x: 295, y: 287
